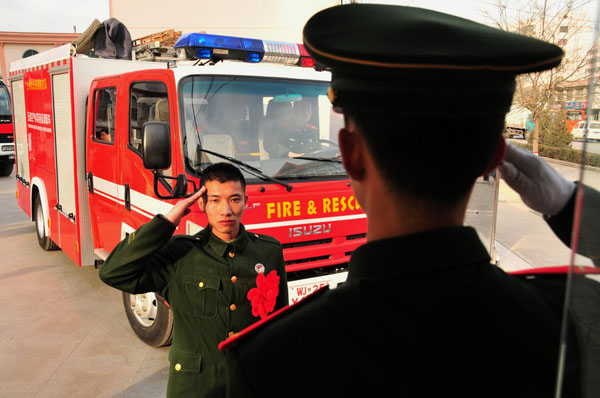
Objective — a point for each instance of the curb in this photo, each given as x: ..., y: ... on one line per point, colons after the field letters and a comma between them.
x: 569, y: 164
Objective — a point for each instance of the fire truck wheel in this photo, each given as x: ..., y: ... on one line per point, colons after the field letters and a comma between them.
x: 150, y: 318
x: 6, y: 169
x: 45, y: 242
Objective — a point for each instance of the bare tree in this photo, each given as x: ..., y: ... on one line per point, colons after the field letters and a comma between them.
x: 563, y: 23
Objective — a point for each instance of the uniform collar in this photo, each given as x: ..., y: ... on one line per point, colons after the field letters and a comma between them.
x: 417, y: 253
x: 221, y: 247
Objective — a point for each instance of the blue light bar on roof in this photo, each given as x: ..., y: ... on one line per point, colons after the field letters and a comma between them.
x: 217, y: 47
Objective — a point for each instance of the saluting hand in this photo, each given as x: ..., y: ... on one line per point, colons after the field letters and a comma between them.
x: 182, y: 207
x: 539, y: 185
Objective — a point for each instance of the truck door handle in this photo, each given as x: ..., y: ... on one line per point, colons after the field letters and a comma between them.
x: 90, y: 181
x: 127, y: 198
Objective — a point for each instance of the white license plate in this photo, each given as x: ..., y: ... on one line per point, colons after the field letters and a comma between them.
x: 301, y: 288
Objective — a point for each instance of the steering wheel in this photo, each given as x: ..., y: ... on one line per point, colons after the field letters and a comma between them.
x: 330, y: 144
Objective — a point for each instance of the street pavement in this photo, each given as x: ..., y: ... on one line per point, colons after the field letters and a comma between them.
x: 63, y: 333
x: 591, y: 146
x: 523, y: 239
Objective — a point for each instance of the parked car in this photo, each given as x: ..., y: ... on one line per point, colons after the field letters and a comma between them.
x: 593, y: 133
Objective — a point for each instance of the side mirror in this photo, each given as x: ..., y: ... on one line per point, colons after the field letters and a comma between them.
x: 180, y: 189
x: 156, y: 146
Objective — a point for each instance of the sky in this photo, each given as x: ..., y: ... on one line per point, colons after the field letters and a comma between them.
x: 57, y: 16
x: 62, y: 15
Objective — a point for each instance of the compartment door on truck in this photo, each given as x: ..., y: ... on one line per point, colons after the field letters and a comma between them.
x: 65, y: 165
x: 103, y: 163
x: 21, y: 143
x: 150, y: 99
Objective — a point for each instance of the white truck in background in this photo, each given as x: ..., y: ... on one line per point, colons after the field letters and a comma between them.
x: 518, y: 121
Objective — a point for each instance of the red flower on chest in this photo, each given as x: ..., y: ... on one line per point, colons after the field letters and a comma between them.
x: 264, y: 295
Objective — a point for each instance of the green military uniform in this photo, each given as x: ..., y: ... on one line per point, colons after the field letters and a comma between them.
x: 205, y: 280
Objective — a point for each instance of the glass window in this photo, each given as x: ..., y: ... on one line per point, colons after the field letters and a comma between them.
x: 104, y: 119
x: 148, y: 101
x: 284, y: 128
x: 570, y: 94
x: 4, y: 101
x: 29, y: 53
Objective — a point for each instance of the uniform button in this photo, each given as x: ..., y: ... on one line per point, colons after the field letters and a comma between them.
x: 231, y: 254
x: 232, y: 307
x: 234, y: 279
x: 178, y: 367
x: 201, y: 284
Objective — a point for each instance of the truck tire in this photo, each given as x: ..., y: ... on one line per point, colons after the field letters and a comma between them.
x: 150, y: 318
x: 45, y: 242
x: 6, y: 168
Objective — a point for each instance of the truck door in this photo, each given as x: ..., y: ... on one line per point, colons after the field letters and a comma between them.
x: 103, y: 165
x: 150, y: 100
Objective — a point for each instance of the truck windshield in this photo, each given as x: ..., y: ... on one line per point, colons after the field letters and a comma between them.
x: 4, y: 101
x: 284, y: 128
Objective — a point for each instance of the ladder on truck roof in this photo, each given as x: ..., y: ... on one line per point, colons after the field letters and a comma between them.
x: 156, y: 47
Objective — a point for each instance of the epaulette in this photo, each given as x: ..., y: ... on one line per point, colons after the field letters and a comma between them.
x: 265, y: 238
x: 244, y: 333
x: 200, y: 235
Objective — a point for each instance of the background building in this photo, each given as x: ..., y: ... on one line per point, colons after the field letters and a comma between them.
x: 17, y: 45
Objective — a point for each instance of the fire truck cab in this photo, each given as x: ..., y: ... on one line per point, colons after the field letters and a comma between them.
x: 103, y: 145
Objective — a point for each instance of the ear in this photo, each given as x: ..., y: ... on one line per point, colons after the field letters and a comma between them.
x: 352, y: 147
x: 201, y: 204
x: 499, y: 154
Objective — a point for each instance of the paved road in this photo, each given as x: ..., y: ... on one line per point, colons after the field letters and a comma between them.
x: 64, y: 334
x: 593, y: 147
x: 523, y: 238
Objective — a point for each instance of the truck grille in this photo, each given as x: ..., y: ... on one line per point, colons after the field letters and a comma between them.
x: 317, y: 242
x: 6, y: 138
x: 307, y: 243
x: 307, y: 260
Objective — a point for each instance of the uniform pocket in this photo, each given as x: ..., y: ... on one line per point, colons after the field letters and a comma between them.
x: 200, y: 295
x: 182, y: 362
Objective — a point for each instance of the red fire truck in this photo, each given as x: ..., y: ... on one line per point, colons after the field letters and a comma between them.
x: 7, y: 146
x: 103, y: 145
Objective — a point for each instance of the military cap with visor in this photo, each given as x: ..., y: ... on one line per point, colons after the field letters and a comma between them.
x: 420, y: 62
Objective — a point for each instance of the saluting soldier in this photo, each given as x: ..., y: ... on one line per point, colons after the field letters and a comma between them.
x: 209, y: 279
x: 423, y: 313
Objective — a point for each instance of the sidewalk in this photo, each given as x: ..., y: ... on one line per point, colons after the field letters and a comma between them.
x: 534, y: 244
